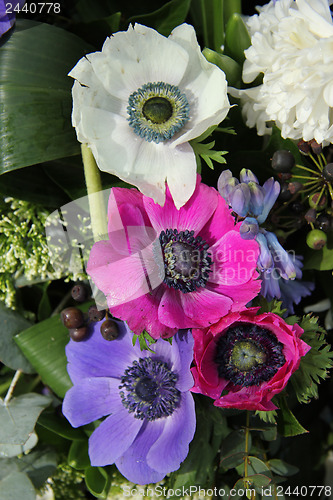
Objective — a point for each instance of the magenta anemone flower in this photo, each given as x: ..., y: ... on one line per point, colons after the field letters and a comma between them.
x: 144, y: 395
x: 164, y: 269
x: 245, y: 359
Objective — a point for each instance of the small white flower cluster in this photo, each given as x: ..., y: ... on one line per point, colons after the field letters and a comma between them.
x: 292, y: 46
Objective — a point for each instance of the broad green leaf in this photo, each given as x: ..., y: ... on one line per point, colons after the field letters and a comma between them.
x: 165, y: 19
x: 96, y: 31
x: 44, y: 346
x: 60, y: 426
x: 35, y: 94
x: 288, y: 425
x: 97, y: 481
x: 13, y: 450
x: 254, y: 466
x: 234, y: 443
x: 38, y: 465
x: 78, y: 457
x: 231, y: 461
x: 282, y: 468
x: 33, y: 185
x: 237, y: 38
x: 11, y: 324
x: 17, y: 485
x: 18, y: 417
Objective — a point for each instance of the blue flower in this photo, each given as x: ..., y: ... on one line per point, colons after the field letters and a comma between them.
x: 247, y: 198
x: 144, y: 395
x: 8, y: 13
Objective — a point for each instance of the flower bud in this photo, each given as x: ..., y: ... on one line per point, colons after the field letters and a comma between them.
x: 249, y: 228
x: 240, y: 199
x: 246, y: 175
x: 257, y: 199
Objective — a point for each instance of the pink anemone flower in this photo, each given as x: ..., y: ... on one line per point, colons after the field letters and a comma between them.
x: 245, y: 359
x: 164, y: 269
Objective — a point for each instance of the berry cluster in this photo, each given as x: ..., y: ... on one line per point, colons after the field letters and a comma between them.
x: 77, y: 322
x: 309, y: 197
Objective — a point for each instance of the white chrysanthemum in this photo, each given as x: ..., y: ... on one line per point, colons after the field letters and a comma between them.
x: 292, y: 45
x: 140, y: 100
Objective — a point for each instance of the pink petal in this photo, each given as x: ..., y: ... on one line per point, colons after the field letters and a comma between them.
x: 221, y: 222
x: 205, y: 307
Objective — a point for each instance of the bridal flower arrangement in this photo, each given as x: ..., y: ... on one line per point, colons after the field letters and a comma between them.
x: 166, y: 249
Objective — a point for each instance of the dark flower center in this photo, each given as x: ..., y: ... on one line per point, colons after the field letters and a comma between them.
x: 157, y: 110
x: 247, y: 354
x: 187, y: 263
x: 148, y: 389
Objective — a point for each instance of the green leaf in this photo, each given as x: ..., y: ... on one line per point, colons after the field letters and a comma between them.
x: 267, y: 416
x: 13, y: 450
x: 18, y: 417
x: 44, y: 346
x: 282, y: 468
x: 44, y: 306
x: 17, y: 485
x: 145, y: 341
x: 78, y: 457
x: 165, y: 19
x: 205, y: 152
x: 35, y: 94
x: 38, y: 465
x: 97, y: 481
x: 60, y: 426
x: 274, y: 306
x: 314, y: 366
x: 96, y: 31
x: 233, y: 449
x: 288, y: 425
x: 10, y: 355
x: 231, y: 68
x: 237, y: 38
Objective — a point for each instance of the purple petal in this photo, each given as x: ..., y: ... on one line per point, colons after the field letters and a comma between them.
x: 133, y: 464
x: 90, y: 399
x: 97, y: 357
x: 178, y: 356
x: 171, y: 448
x: 113, y: 437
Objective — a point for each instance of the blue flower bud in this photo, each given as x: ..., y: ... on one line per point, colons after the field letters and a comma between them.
x: 271, y: 189
x: 265, y: 259
x: 257, y: 199
x: 247, y: 176
x: 226, y: 184
x: 240, y: 199
x: 282, y: 260
x: 249, y: 228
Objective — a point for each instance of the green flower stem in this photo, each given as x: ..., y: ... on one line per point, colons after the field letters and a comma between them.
x: 95, y: 195
x: 212, y: 23
x: 308, y: 169
x: 247, y: 435
x: 13, y: 383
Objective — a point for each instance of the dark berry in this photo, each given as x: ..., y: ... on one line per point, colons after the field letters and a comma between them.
x: 297, y: 207
x: 79, y: 293
x: 328, y: 172
x: 284, y: 177
x: 324, y: 222
x: 303, y: 146
x: 109, y: 330
x: 72, y: 317
x: 316, y: 148
x: 316, y: 239
x: 285, y: 194
x: 295, y: 186
x: 95, y: 315
x: 78, y: 334
x: 310, y: 215
x: 283, y: 161
x: 313, y: 201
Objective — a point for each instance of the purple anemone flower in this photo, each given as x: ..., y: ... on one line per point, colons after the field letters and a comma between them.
x: 8, y: 12
x: 150, y: 414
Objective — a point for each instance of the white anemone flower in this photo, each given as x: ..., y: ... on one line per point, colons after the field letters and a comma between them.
x: 292, y: 46
x: 139, y: 102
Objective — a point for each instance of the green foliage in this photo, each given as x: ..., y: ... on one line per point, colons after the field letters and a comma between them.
x: 97, y: 481
x: 267, y: 416
x: 315, y: 364
x: 229, y: 66
x: 67, y: 483
x: 204, y: 151
x: 35, y: 88
x: 43, y: 344
x: 237, y: 38
x: 322, y: 260
x: 274, y: 306
x: 145, y: 341
x: 288, y: 425
x: 12, y: 324
x: 165, y: 19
